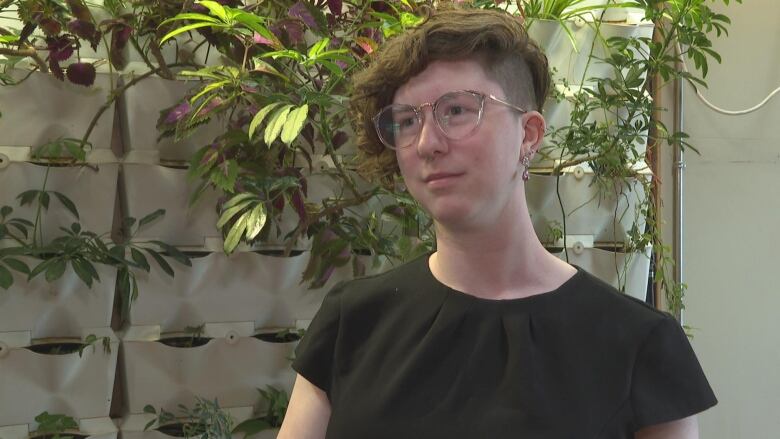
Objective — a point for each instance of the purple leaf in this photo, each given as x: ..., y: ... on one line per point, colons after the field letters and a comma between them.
x: 335, y: 7
x: 81, y: 73
x: 259, y: 39
x: 120, y: 34
x: 297, y: 203
x: 60, y: 48
x: 178, y: 112
x: 215, y: 102
x: 338, y: 139
x: 299, y: 10
x: 50, y: 27
x: 82, y: 29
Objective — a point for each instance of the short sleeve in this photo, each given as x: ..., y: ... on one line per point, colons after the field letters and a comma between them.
x: 668, y: 382
x: 314, y: 355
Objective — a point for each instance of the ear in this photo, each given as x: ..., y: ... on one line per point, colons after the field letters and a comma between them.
x: 534, y: 127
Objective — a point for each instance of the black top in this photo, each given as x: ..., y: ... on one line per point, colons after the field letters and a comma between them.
x: 401, y: 355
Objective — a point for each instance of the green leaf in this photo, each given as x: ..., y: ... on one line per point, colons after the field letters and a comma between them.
x: 294, y: 124
x: 174, y: 252
x: 318, y: 47
x: 238, y: 199
x: 276, y: 124
x: 161, y: 262
x: 263, y: 67
x: 8, y: 38
x: 27, y: 197
x: 5, y: 211
x: 188, y: 28
x: 6, y: 279
x: 256, y: 221
x: 149, y: 409
x: 234, y: 236
x: 215, y: 9
x: 17, y: 265
x: 195, y: 16
x: 55, y: 270
x: 67, y: 203
x: 139, y: 259
x: 207, y: 88
x: 44, y: 199
x: 261, y: 114
x: 228, y: 214
x: 84, y: 270
x: 151, y: 217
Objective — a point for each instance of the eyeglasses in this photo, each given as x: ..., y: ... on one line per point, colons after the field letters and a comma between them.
x: 457, y: 114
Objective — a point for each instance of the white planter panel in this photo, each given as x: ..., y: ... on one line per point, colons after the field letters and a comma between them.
x: 31, y: 383
x: 132, y: 426
x: 228, y: 369
x: 571, y: 60
x: 43, y: 111
x: 628, y: 272
x: 92, y: 189
x: 140, y: 111
x: 606, y: 215
x: 98, y: 428
x: 58, y: 309
x: 244, y: 287
x: 557, y: 115
x: 150, y: 187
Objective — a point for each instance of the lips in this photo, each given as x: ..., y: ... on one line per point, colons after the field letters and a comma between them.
x: 440, y: 176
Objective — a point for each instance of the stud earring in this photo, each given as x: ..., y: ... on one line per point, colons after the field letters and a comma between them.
x: 526, y: 162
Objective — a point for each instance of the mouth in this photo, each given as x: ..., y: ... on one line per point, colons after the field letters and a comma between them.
x: 440, y: 177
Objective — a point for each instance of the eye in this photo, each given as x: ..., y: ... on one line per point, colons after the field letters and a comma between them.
x: 455, y: 110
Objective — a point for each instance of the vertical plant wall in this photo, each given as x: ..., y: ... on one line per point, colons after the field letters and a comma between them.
x: 179, y: 189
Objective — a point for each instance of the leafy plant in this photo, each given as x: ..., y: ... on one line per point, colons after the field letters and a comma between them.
x: 625, y: 113
x: 206, y: 420
x: 78, y: 249
x: 55, y: 425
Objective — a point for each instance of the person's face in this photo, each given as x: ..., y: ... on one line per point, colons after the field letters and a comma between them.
x: 473, y: 180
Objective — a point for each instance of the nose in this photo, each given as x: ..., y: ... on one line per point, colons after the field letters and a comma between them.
x: 430, y: 140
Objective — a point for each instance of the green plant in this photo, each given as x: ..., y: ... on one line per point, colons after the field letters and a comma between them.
x: 55, y: 425
x: 206, y: 420
x: 282, y: 101
x: 275, y: 402
x: 77, y: 248
x: 626, y: 115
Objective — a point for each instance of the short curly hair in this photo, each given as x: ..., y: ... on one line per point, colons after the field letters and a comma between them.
x: 497, y: 40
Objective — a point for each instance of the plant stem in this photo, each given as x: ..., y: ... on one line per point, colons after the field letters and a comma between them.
x: 118, y: 92
x: 27, y: 51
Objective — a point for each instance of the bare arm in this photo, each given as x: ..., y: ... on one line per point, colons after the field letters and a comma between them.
x: 686, y: 428
x: 307, y: 414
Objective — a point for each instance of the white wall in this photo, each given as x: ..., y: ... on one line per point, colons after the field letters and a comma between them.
x: 731, y: 241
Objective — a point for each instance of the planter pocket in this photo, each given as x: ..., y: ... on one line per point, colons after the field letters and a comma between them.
x: 44, y: 110
x: 58, y: 309
x: 229, y: 368
x: 628, y: 272
x: 95, y: 428
x: 140, y: 110
x: 147, y: 188
x: 243, y: 287
x: 608, y: 214
x: 92, y: 189
x: 573, y: 61
x: 49, y: 375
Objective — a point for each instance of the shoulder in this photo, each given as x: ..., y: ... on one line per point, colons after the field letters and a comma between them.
x: 599, y: 305
x: 379, y: 291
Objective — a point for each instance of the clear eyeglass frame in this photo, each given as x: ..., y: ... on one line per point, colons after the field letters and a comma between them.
x: 437, y: 117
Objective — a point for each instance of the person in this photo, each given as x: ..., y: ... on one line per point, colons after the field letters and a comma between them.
x: 489, y: 336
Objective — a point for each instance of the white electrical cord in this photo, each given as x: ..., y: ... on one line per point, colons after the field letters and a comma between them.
x: 721, y: 110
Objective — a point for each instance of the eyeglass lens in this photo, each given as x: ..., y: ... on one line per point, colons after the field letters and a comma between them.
x: 456, y: 113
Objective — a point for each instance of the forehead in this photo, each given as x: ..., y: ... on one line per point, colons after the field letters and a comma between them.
x: 441, y: 77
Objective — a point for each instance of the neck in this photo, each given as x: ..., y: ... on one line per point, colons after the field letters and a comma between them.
x: 500, y: 260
